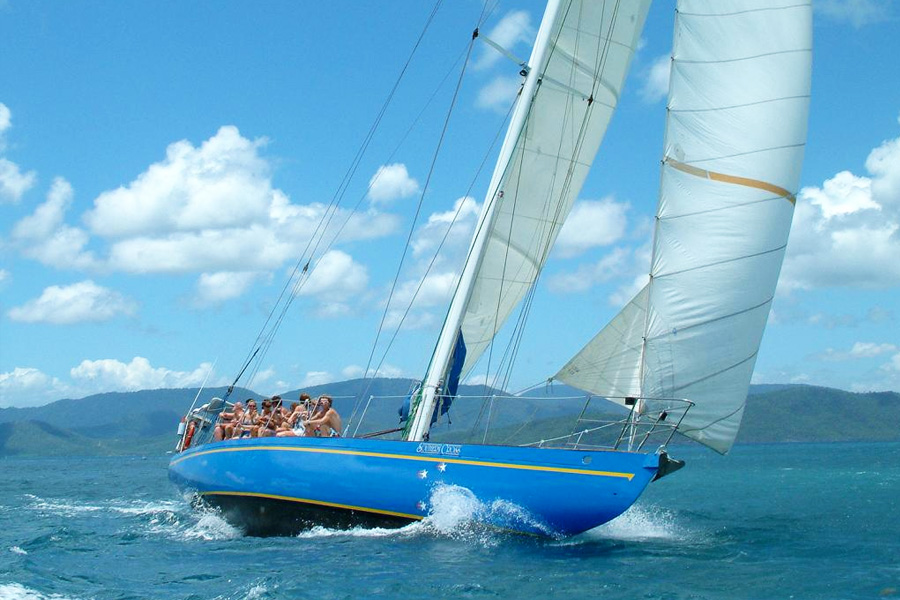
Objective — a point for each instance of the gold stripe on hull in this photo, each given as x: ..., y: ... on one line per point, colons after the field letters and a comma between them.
x: 457, y: 461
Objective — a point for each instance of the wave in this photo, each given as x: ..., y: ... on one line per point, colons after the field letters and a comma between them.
x: 637, y: 524
x: 171, y: 518
x: 17, y: 591
x: 454, y: 513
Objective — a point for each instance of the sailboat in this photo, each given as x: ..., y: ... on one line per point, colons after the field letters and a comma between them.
x: 678, y: 357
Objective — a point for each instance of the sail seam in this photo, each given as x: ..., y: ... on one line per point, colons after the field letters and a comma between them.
x: 708, y: 321
x: 721, y: 208
x: 745, y: 105
x: 678, y: 388
x: 750, y: 10
x: 743, y: 58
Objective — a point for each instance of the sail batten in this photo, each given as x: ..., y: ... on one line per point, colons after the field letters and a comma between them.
x: 735, y: 135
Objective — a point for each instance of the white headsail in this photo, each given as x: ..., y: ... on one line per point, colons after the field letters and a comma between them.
x: 578, y: 67
x: 735, y: 136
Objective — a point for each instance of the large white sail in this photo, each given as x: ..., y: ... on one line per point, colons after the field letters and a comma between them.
x: 735, y: 135
x: 577, y: 68
x: 590, y: 50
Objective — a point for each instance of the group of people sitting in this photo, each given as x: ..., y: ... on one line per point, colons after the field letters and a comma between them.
x: 304, y: 418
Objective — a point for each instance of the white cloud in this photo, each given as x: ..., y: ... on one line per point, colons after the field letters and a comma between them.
x: 460, y: 221
x: 216, y: 288
x: 5, y: 121
x: 108, y: 375
x: 76, y: 303
x: 44, y: 236
x: 613, y: 265
x: 513, y: 28
x: 4, y: 276
x: 656, y: 79
x: 25, y: 386
x: 224, y: 183
x: 590, y: 224
x: 392, y: 182
x: 357, y: 372
x: 858, y: 351
x: 857, y: 13
x: 335, y: 281
x: 14, y: 183
x: 207, y: 209
x: 846, y: 233
x: 499, y: 93
x: 336, y: 275
x: 314, y: 378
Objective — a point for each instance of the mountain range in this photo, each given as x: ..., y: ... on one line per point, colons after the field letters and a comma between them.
x: 145, y: 422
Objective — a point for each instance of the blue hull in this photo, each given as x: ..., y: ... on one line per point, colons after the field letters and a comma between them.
x: 281, y: 485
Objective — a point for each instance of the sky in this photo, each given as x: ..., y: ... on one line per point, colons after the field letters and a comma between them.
x: 163, y: 166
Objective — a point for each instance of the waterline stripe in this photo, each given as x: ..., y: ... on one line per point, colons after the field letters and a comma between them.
x: 456, y: 461
x: 318, y: 502
x: 744, y: 181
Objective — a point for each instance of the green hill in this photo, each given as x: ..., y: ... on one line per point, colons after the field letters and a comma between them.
x: 145, y: 422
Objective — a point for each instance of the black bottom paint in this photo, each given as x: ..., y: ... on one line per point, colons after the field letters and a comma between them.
x: 266, y: 517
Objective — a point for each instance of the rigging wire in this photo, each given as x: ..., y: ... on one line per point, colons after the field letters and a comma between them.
x: 518, y: 330
x: 300, y: 272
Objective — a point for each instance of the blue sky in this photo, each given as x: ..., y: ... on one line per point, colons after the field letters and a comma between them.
x: 162, y: 166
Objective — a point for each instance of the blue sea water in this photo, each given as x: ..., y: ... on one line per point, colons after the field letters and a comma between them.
x: 770, y: 521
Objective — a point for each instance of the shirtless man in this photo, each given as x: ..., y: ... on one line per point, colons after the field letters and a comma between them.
x: 328, y: 424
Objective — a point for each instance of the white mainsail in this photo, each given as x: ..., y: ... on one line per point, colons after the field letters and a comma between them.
x: 577, y: 69
x: 735, y: 136
x: 590, y: 51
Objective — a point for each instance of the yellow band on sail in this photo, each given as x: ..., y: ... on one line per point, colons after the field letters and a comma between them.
x: 744, y: 181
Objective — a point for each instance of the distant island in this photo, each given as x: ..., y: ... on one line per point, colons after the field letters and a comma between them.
x: 145, y: 422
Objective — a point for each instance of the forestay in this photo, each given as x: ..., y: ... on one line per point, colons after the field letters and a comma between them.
x: 735, y: 135
x: 590, y: 49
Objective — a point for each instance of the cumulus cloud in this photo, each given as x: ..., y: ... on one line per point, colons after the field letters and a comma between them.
x: 621, y: 263
x: 13, y: 182
x: 857, y: 13
x: 44, y: 236
x: 112, y: 375
x: 203, y: 209
x: 655, y: 78
x: 216, y: 288
x: 499, y: 93
x: 438, y: 247
x: 590, y: 224
x: 223, y: 183
x: 335, y: 281
x: 314, y: 378
x: 858, y: 351
x: 26, y: 386
x: 76, y: 303
x: 514, y: 28
x: 357, y: 372
x: 392, y: 182
x: 845, y: 233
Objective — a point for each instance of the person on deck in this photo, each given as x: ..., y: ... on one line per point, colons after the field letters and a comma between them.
x: 326, y: 425
x: 249, y: 422
x: 227, y: 420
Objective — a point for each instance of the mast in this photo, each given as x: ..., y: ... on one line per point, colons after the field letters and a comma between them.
x: 421, y: 418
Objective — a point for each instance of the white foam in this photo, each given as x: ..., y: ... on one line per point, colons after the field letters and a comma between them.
x: 638, y: 523
x: 63, y: 508
x: 17, y: 550
x: 17, y: 591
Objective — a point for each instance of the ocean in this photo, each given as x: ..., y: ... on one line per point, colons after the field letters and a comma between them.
x: 767, y: 521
